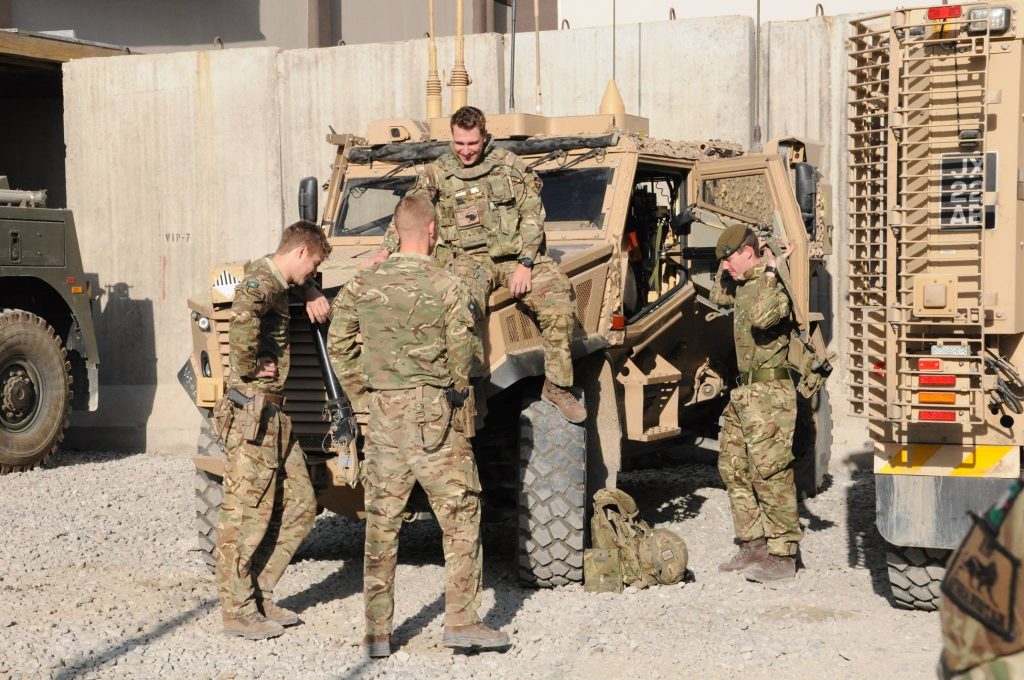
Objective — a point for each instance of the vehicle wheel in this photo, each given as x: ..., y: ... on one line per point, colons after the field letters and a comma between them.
x: 552, y: 497
x: 812, y: 443
x: 209, y: 494
x: 35, y: 391
x: 207, y: 444
x: 915, y: 575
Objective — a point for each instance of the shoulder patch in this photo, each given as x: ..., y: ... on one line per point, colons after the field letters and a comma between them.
x: 250, y: 283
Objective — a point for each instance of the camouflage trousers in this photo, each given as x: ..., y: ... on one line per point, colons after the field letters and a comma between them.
x: 267, y: 511
x: 550, y: 300
x: 411, y: 439
x: 754, y: 461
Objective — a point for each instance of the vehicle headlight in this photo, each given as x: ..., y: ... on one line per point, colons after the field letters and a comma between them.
x: 203, y: 323
x: 994, y: 19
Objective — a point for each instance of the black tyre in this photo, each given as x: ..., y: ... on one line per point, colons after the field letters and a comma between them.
x: 209, y: 494
x: 207, y: 444
x: 812, y: 443
x: 915, y: 575
x: 35, y: 391
x: 552, y: 497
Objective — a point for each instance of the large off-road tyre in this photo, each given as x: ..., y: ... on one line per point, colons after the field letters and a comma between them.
x: 207, y: 444
x: 209, y: 494
x: 552, y: 497
x: 915, y: 575
x: 812, y: 443
x: 35, y: 391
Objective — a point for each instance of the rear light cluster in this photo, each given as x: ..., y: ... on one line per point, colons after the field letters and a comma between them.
x: 933, y: 380
x: 980, y: 20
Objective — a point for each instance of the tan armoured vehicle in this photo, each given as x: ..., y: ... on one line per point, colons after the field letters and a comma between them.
x: 632, y: 221
x: 936, y: 307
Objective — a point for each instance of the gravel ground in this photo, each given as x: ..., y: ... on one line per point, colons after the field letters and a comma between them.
x: 99, y: 578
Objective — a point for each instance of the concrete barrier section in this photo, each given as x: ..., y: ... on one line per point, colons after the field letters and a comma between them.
x: 178, y: 161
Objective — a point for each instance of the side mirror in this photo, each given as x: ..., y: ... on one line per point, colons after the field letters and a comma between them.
x: 682, y: 222
x: 806, y: 193
x: 308, y: 197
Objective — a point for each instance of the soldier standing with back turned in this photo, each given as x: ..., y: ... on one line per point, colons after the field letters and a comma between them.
x: 268, y: 507
x: 757, y: 434
x: 490, y: 223
x: 412, y: 372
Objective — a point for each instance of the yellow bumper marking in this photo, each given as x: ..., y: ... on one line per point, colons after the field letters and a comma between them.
x: 938, y: 460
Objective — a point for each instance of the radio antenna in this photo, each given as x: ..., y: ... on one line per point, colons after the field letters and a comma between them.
x: 433, y: 82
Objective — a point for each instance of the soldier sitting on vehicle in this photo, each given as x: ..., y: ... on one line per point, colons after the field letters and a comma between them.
x: 411, y: 372
x: 757, y: 435
x: 490, y: 223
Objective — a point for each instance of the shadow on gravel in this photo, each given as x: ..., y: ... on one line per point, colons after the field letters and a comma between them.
x: 70, y: 457
x: 865, y: 546
x: 75, y: 667
x: 670, y: 494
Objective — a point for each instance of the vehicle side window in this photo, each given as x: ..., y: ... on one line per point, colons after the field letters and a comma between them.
x: 746, y: 195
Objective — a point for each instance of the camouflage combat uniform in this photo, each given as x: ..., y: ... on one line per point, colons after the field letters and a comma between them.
x: 417, y: 339
x: 983, y: 630
x: 757, y: 433
x: 488, y: 217
x: 268, y: 507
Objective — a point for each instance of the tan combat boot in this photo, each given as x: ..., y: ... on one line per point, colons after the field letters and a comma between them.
x: 772, y: 568
x: 474, y: 635
x: 252, y: 626
x: 277, y: 613
x: 748, y: 553
x: 376, y: 646
x: 562, y: 399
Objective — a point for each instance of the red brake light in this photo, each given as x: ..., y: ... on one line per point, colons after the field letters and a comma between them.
x: 929, y: 364
x: 936, y: 380
x: 945, y: 12
x: 937, y: 416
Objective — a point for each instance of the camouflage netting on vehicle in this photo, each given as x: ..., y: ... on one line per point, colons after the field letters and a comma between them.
x: 427, y: 151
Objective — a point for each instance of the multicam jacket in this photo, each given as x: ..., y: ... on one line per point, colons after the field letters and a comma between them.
x: 762, y: 318
x: 493, y: 206
x: 415, y: 324
x: 259, y: 326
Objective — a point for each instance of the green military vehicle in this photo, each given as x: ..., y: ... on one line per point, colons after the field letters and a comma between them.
x: 632, y: 221
x: 48, y: 354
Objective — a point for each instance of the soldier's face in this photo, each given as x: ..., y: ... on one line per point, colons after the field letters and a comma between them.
x: 306, y: 263
x: 739, y: 263
x: 468, y: 144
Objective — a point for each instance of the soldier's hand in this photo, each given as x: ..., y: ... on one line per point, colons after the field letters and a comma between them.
x: 787, y: 250
x: 373, y: 259
x: 267, y: 369
x: 317, y: 306
x: 521, y: 282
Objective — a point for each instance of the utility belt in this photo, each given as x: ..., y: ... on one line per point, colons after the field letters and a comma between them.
x: 762, y: 375
x: 461, y: 411
x: 247, y: 408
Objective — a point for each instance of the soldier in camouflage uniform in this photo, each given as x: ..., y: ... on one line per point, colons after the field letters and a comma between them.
x: 757, y: 433
x: 982, y: 608
x: 268, y: 505
x: 411, y: 372
x: 490, y: 222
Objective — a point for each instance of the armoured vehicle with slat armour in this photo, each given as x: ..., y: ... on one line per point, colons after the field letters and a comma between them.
x: 936, y: 256
x: 48, y: 354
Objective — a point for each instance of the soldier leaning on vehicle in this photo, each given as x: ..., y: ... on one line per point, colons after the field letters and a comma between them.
x: 268, y: 506
x: 411, y: 372
x: 759, y: 421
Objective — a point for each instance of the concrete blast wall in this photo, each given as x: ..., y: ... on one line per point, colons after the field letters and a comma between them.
x: 178, y: 161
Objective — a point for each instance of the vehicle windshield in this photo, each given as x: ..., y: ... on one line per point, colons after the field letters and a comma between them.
x: 573, y: 199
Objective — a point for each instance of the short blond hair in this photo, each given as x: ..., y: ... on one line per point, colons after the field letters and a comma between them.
x: 413, y: 214
x: 304, y: 233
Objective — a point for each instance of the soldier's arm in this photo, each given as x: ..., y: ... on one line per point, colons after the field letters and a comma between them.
x: 771, y: 305
x: 425, y: 186
x: 461, y: 341
x: 724, y: 291
x: 531, y: 210
x: 252, y: 300
x: 342, y: 347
